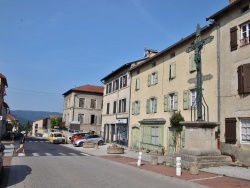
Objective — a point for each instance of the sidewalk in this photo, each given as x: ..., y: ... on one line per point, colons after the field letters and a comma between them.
x: 223, y: 176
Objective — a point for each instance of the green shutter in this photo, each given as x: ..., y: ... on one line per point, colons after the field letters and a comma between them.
x: 138, y: 107
x: 133, y: 108
x: 174, y: 70
x: 155, y: 105
x: 148, y: 106
x: 137, y: 84
x: 192, y: 65
x: 149, y: 80
x: 156, y: 77
x: 185, y: 99
x: 165, y: 103
x: 176, y: 101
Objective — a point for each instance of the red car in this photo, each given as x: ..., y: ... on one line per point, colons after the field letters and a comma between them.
x: 77, y: 136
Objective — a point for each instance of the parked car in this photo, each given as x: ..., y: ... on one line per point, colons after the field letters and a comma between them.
x: 78, y: 136
x: 89, y: 138
x: 56, y: 137
x: 39, y: 134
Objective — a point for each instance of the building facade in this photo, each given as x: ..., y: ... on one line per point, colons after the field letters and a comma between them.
x: 84, y: 104
x: 233, y: 27
x: 3, y: 106
x: 166, y: 83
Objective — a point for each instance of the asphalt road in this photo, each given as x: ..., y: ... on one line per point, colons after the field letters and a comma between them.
x: 52, y: 165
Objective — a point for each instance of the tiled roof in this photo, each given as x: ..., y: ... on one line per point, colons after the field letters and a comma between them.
x: 10, y: 117
x: 87, y: 88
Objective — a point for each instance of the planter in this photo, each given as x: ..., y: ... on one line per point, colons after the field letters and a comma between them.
x: 88, y: 145
x: 115, y: 150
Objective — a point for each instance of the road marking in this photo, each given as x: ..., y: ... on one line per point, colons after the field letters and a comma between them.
x: 21, y: 154
x: 62, y: 154
x: 73, y: 154
x: 35, y: 154
x: 48, y: 154
x: 85, y: 154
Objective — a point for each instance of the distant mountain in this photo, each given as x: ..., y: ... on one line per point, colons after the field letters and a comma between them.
x: 27, y: 115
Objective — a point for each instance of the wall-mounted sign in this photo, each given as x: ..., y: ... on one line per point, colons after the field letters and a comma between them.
x: 125, y: 120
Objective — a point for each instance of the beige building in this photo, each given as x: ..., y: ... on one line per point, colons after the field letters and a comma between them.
x: 116, y: 102
x: 166, y: 83
x: 84, y: 104
x: 233, y: 27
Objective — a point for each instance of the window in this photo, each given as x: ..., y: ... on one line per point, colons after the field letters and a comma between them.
x: 173, y: 101
x: 108, y: 108
x: 137, y: 84
x: 154, y: 64
x: 172, y: 55
x: 138, y: 72
x: 151, y: 106
x: 189, y: 98
x: 245, y: 33
x: 116, y: 85
x: 155, y: 135
x: 245, y: 9
x: 92, y: 119
x: 233, y: 38
x: 192, y: 64
x: 243, y: 79
x: 81, y: 102
x: 245, y: 130
x: 109, y: 87
x: 230, y: 130
x: 172, y: 70
x: 153, y: 78
x: 81, y: 118
x: 122, y: 105
x: 93, y: 103
x: 136, y: 107
x: 114, y: 107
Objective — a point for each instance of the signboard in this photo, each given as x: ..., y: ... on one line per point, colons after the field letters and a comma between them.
x: 122, y: 121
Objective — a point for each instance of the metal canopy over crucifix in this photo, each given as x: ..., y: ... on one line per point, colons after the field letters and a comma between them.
x: 197, y: 46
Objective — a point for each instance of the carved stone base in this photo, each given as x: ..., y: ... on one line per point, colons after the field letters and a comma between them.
x: 115, y: 150
x: 88, y: 145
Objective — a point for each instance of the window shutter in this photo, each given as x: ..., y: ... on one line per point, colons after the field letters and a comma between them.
x: 174, y: 70
x: 240, y: 80
x: 176, y: 101
x: 156, y: 77
x: 125, y: 108
x: 155, y: 105
x: 149, y: 80
x: 230, y: 130
x: 185, y: 99
x: 133, y: 108
x: 137, y: 85
x: 246, y: 78
x: 138, y: 112
x: 192, y: 64
x: 165, y: 103
x: 147, y: 106
x: 233, y: 38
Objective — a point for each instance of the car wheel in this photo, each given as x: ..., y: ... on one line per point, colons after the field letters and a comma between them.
x: 100, y: 142
x: 81, y: 144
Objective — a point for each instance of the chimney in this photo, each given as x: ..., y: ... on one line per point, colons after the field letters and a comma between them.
x: 231, y: 1
x: 149, y: 52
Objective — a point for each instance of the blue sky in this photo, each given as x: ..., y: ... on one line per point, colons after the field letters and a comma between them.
x: 48, y: 47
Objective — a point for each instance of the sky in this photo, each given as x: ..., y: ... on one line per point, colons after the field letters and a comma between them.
x: 48, y: 47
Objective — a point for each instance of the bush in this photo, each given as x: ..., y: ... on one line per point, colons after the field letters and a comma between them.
x: 175, y: 120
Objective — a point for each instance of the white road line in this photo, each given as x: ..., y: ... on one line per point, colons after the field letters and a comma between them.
x: 48, y: 154
x: 62, y: 154
x: 85, y: 154
x: 21, y: 154
x: 35, y: 154
x: 73, y: 154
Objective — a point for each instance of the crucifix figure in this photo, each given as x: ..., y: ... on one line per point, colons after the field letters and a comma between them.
x: 197, y: 46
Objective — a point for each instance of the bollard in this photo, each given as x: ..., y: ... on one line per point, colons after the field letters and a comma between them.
x: 178, y: 166
x: 139, y: 159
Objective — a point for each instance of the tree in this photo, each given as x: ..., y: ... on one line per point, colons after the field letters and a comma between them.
x: 175, y: 120
x: 55, y: 122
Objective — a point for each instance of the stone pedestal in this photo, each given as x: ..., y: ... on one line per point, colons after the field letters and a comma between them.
x: 200, y: 145
x: 154, y: 160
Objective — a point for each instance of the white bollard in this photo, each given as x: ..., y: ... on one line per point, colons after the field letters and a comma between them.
x: 139, y: 159
x: 178, y: 166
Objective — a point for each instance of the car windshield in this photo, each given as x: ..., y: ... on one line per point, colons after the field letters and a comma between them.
x: 57, y: 135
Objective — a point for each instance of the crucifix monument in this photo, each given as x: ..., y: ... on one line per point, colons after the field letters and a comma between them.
x: 200, y: 143
x: 197, y: 46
